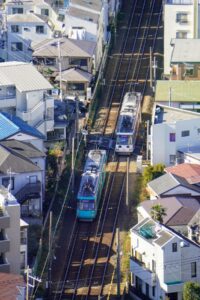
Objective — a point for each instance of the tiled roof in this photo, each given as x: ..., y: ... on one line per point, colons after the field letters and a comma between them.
x: 191, y: 172
x: 68, y: 48
x: 10, y: 125
x: 24, y: 76
x: 179, y: 210
x: 8, y: 285
x: 15, y: 161
x: 75, y: 75
x: 22, y: 148
x: 24, y: 18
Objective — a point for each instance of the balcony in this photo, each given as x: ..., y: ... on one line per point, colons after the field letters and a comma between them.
x: 139, y: 269
x: 4, y: 245
x: 4, y: 266
x: 29, y: 191
x: 172, y: 287
x: 32, y: 114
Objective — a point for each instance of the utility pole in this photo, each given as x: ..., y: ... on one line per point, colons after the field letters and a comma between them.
x: 127, y: 182
x: 60, y: 70
x: 151, y: 68
x: 170, y: 96
x: 72, y: 165
x: 147, y: 147
x: 50, y: 255
x: 32, y: 284
x: 77, y: 121
x: 118, y: 262
x: 154, y: 72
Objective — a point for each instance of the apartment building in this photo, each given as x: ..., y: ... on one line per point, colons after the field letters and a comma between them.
x: 171, y: 130
x: 25, y: 93
x: 181, y: 21
x: 162, y: 260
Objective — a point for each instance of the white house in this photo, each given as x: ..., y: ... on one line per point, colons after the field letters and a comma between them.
x: 24, y: 92
x: 161, y: 261
x: 23, y: 30
x: 181, y: 20
x: 171, y: 130
x: 189, y: 155
x: 89, y: 21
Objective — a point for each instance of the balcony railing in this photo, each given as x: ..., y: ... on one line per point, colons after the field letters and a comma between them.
x: 29, y: 191
x: 139, y: 269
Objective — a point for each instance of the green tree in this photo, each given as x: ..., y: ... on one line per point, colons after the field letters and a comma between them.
x: 158, y: 212
x: 152, y: 172
x: 191, y: 291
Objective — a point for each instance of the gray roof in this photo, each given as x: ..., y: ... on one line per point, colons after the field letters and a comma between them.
x: 163, y: 238
x: 24, y: 76
x: 167, y: 114
x: 179, y: 210
x: 16, y: 162
x: 23, y: 148
x: 93, y: 5
x: 25, y: 18
x: 168, y: 182
x: 83, y: 14
x: 75, y: 75
x: 68, y: 48
x: 186, y: 50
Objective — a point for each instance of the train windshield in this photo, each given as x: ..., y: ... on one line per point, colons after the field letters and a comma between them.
x: 124, y: 140
x: 86, y: 205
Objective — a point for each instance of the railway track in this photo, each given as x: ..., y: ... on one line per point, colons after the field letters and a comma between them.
x: 88, y: 270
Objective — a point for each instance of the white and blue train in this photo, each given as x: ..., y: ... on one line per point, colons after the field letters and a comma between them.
x: 91, y: 185
x: 127, y: 124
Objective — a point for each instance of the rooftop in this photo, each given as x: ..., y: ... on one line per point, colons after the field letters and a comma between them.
x: 186, y: 50
x: 168, y: 114
x: 75, y: 75
x: 191, y: 172
x: 11, y: 125
x: 23, y: 148
x: 179, y: 210
x: 25, y: 18
x: 95, y: 5
x: 9, y: 284
x: 24, y: 76
x: 83, y: 14
x: 192, y: 151
x: 181, y: 90
x: 68, y: 48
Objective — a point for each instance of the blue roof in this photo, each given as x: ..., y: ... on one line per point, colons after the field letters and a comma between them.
x: 10, y: 125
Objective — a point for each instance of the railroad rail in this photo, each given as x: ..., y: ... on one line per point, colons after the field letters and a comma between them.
x: 88, y: 268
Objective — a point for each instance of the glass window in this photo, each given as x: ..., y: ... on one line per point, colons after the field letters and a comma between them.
x: 86, y: 205
x: 44, y: 12
x: 182, y: 17
x: 15, y: 28
x: 40, y: 29
x: 174, y: 247
x: 181, y: 34
x: 153, y: 291
x: 172, y: 137
x: 26, y: 29
x: 172, y: 159
x: 194, y: 269
x: 6, y: 181
x: 17, y: 46
x: 17, y: 10
x: 185, y: 133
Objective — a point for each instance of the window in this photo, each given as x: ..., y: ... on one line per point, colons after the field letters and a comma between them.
x: 153, y: 265
x: 14, y: 28
x: 17, y: 46
x: 147, y: 290
x: 172, y: 137
x: 61, y: 18
x: 6, y: 182
x: 153, y: 291
x: 172, y: 159
x: 22, y: 260
x: 181, y: 34
x: 44, y: 12
x: 193, y: 269
x: 198, y: 131
x: 174, y: 247
x: 40, y: 29
x: 185, y: 133
x: 17, y: 10
x: 181, y: 17
x: 26, y: 29
x: 33, y: 179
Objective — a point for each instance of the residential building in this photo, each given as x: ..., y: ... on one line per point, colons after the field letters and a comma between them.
x: 169, y: 185
x: 10, y: 233
x: 12, y: 286
x: 13, y: 128
x: 23, y: 245
x: 181, y: 213
x: 52, y: 55
x: 76, y: 81
x: 22, y: 31
x: 171, y: 130
x: 181, y: 21
x: 185, y: 60
x: 178, y: 93
x: 88, y: 21
x: 161, y: 261
x: 23, y: 171
x: 24, y: 92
